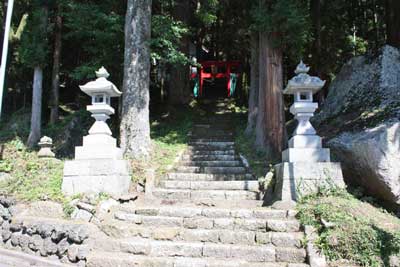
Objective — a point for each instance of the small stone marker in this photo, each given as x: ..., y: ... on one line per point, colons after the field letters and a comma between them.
x: 98, y: 165
x: 46, y: 143
x: 306, y: 164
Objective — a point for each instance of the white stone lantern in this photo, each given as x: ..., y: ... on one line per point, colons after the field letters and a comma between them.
x: 305, y: 145
x: 98, y: 165
x: 306, y: 165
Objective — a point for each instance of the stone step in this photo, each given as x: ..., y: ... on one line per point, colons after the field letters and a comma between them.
x: 215, y: 163
x: 153, y: 248
x: 212, y: 185
x: 191, y: 211
x: 210, y: 157
x: 113, y: 259
x: 237, y: 224
x: 210, y: 147
x: 213, y: 143
x: 197, y: 195
x: 208, y: 177
x: 116, y: 229
x: 212, y: 170
x: 195, y: 152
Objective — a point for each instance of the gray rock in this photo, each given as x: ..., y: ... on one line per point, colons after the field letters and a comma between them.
x: 394, y: 261
x: 360, y: 120
x: 35, y: 243
x: 62, y: 247
x: 87, y: 207
x: 7, y: 201
x: 72, y: 253
x: 4, y: 213
x: 77, y: 234
x: 4, y: 177
x: 371, y: 158
x: 50, y: 246
x: 82, y: 215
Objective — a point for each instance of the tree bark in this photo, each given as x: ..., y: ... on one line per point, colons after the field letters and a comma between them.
x: 55, y: 77
x: 135, y: 124
x: 179, y: 92
x: 393, y: 22
x: 254, y: 84
x: 36, y: 117
x: 270, y: 128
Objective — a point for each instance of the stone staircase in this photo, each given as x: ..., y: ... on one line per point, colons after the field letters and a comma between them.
x: 207, y: 212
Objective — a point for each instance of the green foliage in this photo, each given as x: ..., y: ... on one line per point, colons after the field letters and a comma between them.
x: 32, y: 178
x: 287, y: 21
x: 361, y: 233
x: 166, y: 37
x: 98, y: 28
x: 34, y: 42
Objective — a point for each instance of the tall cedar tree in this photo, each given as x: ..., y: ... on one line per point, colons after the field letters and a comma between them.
x: 135, y: 124
x: 34, y: 54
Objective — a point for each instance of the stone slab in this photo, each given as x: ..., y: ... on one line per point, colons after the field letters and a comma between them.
x: 95, y: 176
x: 305, y: 141
x: 99, y: 151
x: 302, y: 178
x: 306, y: 155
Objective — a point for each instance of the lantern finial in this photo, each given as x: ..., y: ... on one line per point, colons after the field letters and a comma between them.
x: 102, y: 73
x: 302, y: 68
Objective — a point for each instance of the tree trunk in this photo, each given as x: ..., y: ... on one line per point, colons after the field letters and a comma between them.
x: 55, y: 77
x: 270, y: 128
x: 36, y: 118
x: 179, y: 92
x: 135, y: 124
x: 393, y: 22
x: 254, y: 84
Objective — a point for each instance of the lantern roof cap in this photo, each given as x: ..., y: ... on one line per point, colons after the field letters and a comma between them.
x: 303, y: 81
x: 101, y: 85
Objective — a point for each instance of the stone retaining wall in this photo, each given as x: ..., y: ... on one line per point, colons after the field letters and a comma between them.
x: 58, y: 240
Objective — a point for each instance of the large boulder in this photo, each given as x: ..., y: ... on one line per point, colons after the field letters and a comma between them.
x: 360, y: 122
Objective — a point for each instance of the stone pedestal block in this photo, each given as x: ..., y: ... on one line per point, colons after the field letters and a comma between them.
x: 302, y: 178
x: 306, y: 155
x: 94, y: 176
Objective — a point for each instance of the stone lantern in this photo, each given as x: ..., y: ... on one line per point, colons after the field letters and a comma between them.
x: 305, y: 145
x: 98, y: 165
x: 306, y: 165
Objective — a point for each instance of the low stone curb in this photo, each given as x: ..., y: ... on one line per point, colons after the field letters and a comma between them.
x: 315, y: 257
x: 9, y: 257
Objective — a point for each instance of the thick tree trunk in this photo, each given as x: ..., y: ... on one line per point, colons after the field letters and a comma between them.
x: 36, y: 117
x: 135, y: 124
x: 179, y: 92
x: 55, y: 77
x: 254, y: 84
x: 270, y: 129
x: 393, y: 22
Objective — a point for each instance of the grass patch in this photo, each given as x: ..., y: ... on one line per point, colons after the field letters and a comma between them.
x: 31, y: 178
x: 356, y: 231
x: 257, y: 159
x: 169, y: 133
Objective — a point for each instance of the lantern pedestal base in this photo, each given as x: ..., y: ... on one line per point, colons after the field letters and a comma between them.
x: 312, y: 155
x: 95, y: 176
x: 302, y: 178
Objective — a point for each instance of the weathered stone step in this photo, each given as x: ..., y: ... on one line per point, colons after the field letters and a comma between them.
x: 215, y: 163
x: 213, y: 143
x: 210, y: 157
x: 196, y: 195
x: 212, y: 185
x: 195, y: 152
x: 210, y: 147
x: 212, y: 170
x: 208, y: 177
x: 209, y: 212
x: 113, y: 259
x: 117, y: 229
x: 152, y: 248
x: 237, y: 224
